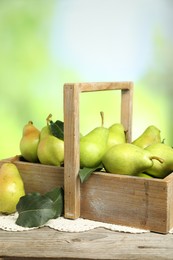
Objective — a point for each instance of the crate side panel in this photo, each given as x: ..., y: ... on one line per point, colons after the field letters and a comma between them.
x: 41, y: 178
x: 125, y: 200
x: 169, y: 180
x: 38, y: 177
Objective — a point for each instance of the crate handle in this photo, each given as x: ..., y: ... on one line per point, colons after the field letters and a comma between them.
x: 71, y: 135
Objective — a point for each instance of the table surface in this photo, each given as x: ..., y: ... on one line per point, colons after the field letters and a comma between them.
x: 98, y: 243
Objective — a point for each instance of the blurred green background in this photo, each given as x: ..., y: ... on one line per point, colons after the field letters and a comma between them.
x: 46, y: 43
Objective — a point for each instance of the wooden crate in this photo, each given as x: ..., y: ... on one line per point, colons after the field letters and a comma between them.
x: 117, y: 199
x: 112, y: 198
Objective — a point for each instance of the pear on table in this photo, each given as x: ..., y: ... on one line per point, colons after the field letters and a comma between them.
x: 29, y: 142
x: 11, y: 188
x: 93, y: 146
x: 50, y: 149
x: 166, y: 153
x: 128, y: 159
x: 151, y: 135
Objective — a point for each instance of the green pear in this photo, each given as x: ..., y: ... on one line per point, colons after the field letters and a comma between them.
x: 127, y: 159
x: 11, y: 188
x: 116, y: 135
x: 166, y: 153
x: 144, y: 175
x: 45, y: 131
x: 29, y: 142
x: 151, y: 135
x: 93, y: 146
x: 50, y: 149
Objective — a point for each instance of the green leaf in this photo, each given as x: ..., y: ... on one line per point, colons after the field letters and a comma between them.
x: 35, y: 209
x: 85, y: 172
x: 57, y: 197
x: 57, y: 129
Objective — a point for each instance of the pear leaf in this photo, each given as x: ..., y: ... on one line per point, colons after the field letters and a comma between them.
x: 85, y: 172
x: 57, y: 196
x: 57, y: 129
x: 35, y: 209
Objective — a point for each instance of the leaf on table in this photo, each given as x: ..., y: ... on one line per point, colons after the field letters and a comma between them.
x: 57, y: 129
x: 57, y: 196
x: 35, y: 209
x: 85, y: 172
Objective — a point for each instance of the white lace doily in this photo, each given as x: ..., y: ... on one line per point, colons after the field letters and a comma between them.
x: 7, y: 222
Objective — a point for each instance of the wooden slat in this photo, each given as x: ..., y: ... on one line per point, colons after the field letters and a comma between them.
x: 100, y: 86
x: 71, y: 151
x: 46, y: 243
x: 127, y: 110
x: 169, y: 181
x: 127, y: 200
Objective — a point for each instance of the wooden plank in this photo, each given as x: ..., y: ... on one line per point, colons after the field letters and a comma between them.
x: 127, y: 110
x: 45, y: 243
x: 169, y: 180
x: 71, y: 151
x: 100, y: 86
x: 126, y: 200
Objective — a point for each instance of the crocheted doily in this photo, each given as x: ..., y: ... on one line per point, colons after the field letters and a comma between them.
x: 7, y: 222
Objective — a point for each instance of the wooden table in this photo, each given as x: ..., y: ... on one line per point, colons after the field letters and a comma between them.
x: 46, y: 243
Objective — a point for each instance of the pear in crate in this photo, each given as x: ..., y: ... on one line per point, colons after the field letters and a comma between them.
x: 50, y: 148
x: 166, y: 153
x: 144, y: 175
x: 93, y: 146
x: 116, y: 135
x: 29, y: 142
x: 11, y: 188
x: 151, y: 135
x: 127, y: 159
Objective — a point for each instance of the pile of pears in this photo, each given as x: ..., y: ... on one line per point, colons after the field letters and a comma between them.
x: 41, y: 146
x: 147, y: 156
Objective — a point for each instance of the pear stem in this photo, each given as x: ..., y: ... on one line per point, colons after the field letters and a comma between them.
x: 48, y: 119
x: 102, y: 118
x: 15, y: 158
x: 157, y: 158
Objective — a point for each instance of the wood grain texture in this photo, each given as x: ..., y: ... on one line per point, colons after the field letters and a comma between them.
x: 127, y: 110
x: 38, y: 177
x: 71, y: 152
x: 169, y: 180
x: 127, y: 200
x: 99, y: 243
